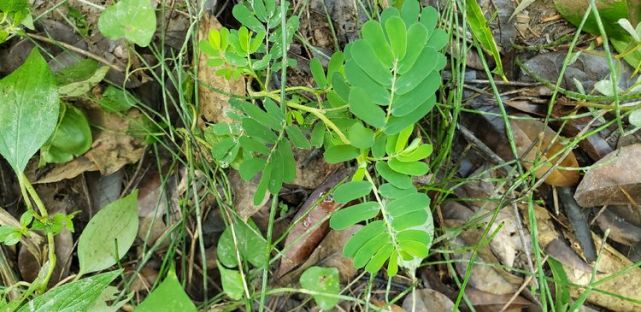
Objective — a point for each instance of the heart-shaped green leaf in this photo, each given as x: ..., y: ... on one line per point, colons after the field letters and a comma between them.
x: 134, y: 20
x: 324, y: 281
x: 28, y: 111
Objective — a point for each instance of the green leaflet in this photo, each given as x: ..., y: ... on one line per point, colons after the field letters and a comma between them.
x: 482, y: 33
x: 28, y: 112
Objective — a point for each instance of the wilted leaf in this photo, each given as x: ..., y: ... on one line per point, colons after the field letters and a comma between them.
x: 612, y: 180
x: 539, y: 145
x: 168, y: 296
x: 108, y: 235
x: 112, y: 148
x: 80, y: 77
x: 29, y: 111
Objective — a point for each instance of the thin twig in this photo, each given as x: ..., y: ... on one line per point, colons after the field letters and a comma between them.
x: 76, y: 50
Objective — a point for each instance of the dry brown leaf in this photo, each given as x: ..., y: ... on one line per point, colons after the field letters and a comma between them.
x: 311, y: 168
x: 329, y: 254
x: 112, y: 147
x: 612, y: 180
x: 386, y: 307
x: 484, y: 301
x: 626, y: 284
x: 306, y: 234
x: 537, y: 143
x: 427, y: 300
x: 311, y: 224
x: 212, y: 89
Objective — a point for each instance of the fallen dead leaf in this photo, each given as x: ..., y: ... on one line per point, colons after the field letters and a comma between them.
x: 427, y: 300
x: 612, y: 180
x: 329, y: 253
x: 112, y: 148
x: 537, y: 143
x: 212, y: 88
x: 311, y: 224
x: 484, y: 301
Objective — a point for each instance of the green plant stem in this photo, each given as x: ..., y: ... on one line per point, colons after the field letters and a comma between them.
x: 319, y: 113
x: 44, y: 215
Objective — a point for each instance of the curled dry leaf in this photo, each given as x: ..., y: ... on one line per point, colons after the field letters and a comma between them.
x: 311, y: 224
x: 612, y: 180
x: 112, y: 149
x: 427, y: 300
x: 537, y: 143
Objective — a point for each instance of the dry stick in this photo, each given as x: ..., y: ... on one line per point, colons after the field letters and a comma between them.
x: 519, y: 227
x: 76, y: 50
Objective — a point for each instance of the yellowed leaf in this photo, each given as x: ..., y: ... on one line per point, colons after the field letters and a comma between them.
x: 538, y: 145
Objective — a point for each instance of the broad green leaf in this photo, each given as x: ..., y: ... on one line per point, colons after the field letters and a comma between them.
x: 28, y: 111
x: 361, y: 136
x: 318, y: 134
x: 297, y: 137
x: 74, y: 296
x: 351, y: 215
x: 352, y: 190
x: 378, y: 149
x: 561, y: 283
x: 397, y: 35
x: 71, y: 138
x: 482, y: 32
x: 232, y: 283
x: 168, y: 296
x: 80, y: 77
x: 416, y: 168
x: 116, y: 100
x: 249, y: 243
x: 407, y: 204
x: 322, y: 280
x: 429, y: 18
x: 362, y: 107
x: 114, y: 225
x: 134, y: 20
x: 399, y: 180
x: 340, y: 153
